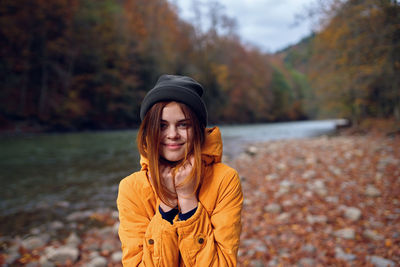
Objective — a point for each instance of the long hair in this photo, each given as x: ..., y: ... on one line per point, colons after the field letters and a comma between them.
x: 148, y: 142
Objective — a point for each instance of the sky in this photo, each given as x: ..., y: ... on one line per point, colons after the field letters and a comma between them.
x: 266, y: 24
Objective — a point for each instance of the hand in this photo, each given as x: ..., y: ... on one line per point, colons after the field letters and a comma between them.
x: 185, y: 191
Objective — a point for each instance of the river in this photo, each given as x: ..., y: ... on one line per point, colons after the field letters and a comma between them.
x: 44, y: 177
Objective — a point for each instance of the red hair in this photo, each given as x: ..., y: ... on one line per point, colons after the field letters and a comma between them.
x: 148, y: 142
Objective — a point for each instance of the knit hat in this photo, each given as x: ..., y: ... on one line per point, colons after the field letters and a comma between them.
x: 176, y: 88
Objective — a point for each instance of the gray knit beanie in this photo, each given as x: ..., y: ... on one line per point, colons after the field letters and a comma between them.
x: 176, y: 88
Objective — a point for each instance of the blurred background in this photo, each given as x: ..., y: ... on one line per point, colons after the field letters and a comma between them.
x: 74, y: 72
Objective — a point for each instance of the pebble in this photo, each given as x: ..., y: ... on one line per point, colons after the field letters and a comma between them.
x: 345, y: 233
x: 98, y: 262
x: 35, y: 242
x: 271, y: 177
x: 273, y: 208
x: 352, y: 213
x: 372, y: 191
x: 116, y: 256
x: 306, y: 262
x: 340, y: 254
x: 73, y: 240
x: 62, y: 254
x: 316, y: 219
x: 372, y: 235
x: 380, y: 262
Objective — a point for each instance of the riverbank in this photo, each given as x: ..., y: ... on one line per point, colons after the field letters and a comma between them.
x: 324, y: 201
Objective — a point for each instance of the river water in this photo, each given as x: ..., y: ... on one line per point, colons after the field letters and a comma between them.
x: 79, y: 171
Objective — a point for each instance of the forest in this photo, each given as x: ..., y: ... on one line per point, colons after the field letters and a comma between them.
x: 71, y: 65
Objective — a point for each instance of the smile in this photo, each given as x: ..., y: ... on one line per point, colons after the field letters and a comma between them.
x: 173, y: 146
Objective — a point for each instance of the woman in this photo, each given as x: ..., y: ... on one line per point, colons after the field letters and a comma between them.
x: 183, y: 207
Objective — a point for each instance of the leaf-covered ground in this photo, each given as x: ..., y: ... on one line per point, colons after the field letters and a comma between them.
x: 321, y: 202
x: 326, y: 201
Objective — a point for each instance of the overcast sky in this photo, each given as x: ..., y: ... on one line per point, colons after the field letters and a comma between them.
x: 267, y: 24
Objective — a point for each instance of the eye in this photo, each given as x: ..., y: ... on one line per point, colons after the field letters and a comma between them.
x: 184, y: 125
x: 163, y: 126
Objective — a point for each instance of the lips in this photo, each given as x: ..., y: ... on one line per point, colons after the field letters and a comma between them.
x: 173, y: 146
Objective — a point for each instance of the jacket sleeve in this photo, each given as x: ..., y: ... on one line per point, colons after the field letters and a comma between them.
x: 213, y: 240
x: 147, y: 239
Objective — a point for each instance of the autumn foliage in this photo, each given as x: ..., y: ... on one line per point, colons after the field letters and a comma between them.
x: 82, y: 64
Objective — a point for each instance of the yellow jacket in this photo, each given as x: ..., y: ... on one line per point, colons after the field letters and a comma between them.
x: 209, y: 238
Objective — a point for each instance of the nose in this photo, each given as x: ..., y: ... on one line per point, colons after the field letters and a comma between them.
x: 172, y: 132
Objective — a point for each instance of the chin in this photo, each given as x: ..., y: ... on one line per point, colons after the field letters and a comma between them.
x: 172, y: 158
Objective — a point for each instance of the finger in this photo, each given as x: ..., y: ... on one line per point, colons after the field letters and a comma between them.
x: 191, y: 160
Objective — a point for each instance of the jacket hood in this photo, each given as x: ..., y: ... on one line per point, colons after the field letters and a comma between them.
x: 211, y: 152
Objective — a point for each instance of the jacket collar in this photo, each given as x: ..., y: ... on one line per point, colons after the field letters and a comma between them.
x: 211, y: 150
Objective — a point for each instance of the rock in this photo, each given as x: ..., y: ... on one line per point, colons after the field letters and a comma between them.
x: 372, y: 235
x: 62, y: 254
x: 115, y: 215
x: 79, y: 215
x: 115, y: 228
x: 341, y: 255
x: 44, y: 262
x: 56, y: 225
x: 308, y: 248
x: 271, y: 177
x: 98, y: 262
x: 309, y: 174
x: 273, y: 208
x: 257, y: 263
x: 332, y: 199
x: 283, y: 217
x: 346, y: 233
x: 352, y: 213
x: 13, y: 256
x: 380, y: 262
x: 311, y: 219
x: 116, y: 256
x: 372, y: 191
x: 73, y: 240
x: 306, y: 262
x: 33, y: 242
x: 252, y: 150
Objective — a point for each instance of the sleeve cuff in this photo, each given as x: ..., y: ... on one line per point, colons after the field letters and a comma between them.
x: 187, y: 215
x: 169, y: 215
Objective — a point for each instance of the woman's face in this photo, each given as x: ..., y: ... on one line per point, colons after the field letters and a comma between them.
x: 176, y: 133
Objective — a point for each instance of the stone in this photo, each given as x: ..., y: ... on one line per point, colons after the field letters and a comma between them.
x: 352, y: 213
x: 345, y: 233
x: 341, y: 255
x: 372, y: 235
x: 271, y: 177
x: 372, y: 191
x: 73, y: 240
x: 316, y: 219
x: 380, y: 262
x: 79, y: 215
x: 116, y: 256
x: 273, y: 208
x: 308, y: 248
x: 306, y: 262
x: 283, y: 217
x: 62, y: 254
x: 252, y: 150
x: 56, y: 225
x: 98, y: 262
x: 308, y: 174
x: 33, y: 242
x: 257, y: 263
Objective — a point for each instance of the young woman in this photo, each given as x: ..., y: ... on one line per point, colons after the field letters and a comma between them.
x: 183, y: 207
